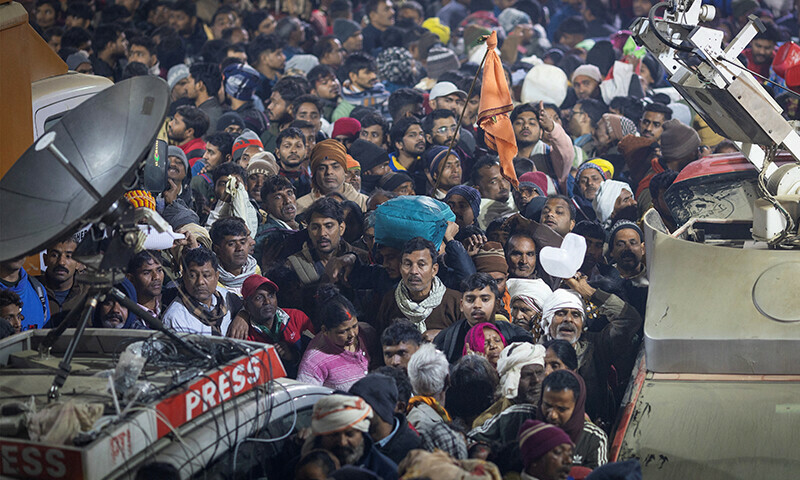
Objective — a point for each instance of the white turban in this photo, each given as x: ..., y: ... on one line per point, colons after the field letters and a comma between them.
x: 512, y: 359
x: 607, y: 195
x: 561, y: 298
x: 337, y: 413
x: 530, y: 291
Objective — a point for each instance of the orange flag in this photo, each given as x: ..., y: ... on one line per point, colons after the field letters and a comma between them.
x: 493, y: 112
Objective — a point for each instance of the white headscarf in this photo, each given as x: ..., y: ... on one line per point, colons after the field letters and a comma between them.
x: 528, y: 290
x: 607, y: 195
x: 337, y: 413
x: 512, y: 359
x: 561, y: 298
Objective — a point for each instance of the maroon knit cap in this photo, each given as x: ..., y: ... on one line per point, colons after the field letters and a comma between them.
x: 537, y: 438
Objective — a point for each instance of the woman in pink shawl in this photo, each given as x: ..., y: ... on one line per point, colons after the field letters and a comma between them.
x: 484, y: 339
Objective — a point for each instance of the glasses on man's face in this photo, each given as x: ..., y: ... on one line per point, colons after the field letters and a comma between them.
x: 443, y: 130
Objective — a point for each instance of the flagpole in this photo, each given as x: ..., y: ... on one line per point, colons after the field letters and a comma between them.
x: 460, y: 118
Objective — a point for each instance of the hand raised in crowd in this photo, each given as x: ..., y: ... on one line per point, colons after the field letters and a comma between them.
x: 580, y: 283
x: 474, y: 243
x: 545, y: 120
x: 171, y: 194
x: 189, y: 241
x: 339, y: 268
x: 451, y: 231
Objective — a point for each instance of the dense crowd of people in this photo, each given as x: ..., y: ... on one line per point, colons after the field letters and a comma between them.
x: 338, y: 200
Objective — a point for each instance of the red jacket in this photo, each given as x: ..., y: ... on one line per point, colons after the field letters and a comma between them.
x: 291, y: 330
x: 194, y: 150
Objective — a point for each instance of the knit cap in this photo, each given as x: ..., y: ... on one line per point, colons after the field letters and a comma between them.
x: 441, y: 60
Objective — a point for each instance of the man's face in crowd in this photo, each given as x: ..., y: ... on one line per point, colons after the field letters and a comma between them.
x: 354, y: 43
x: 523, y: 196
x: 112, y: 314
x: 373, y: 134
x: 329, y: 175
x: 478, y: 305
x: 278, y: 109
x: 212, y: 156
x: 335, y: 56
x: 348, y: 446
x: 353, y: 177
x: 522, y: 314
x: 553, y: 465
x: 55, y: 42
x: 652, y: 125
x: 311, y: 138
x: 589, y: 182
x: 578, y: 121
x: 600, y: 133
x: 526, y: 129
x: 379, y: 170
x: 556, y: 215
x: 325, y: 233
x: 404, y: 189
x: 417, y: 270
x: 451, y: 173
x: 444, y: 129
x: 262, y: 304
x: 453, y: 102
x: 410, y: 15
x: 462, y: 210
x: 219, y: 187
x: 200, y: 282
x: 398, y: 356
x: 273, y: 59
x: 232, y: 251
x: 492, y: 184
x: 45, y: 15
x: 249, y: 153
x: 148, y: 279
x: 327, y: 88
x: 413, y: 143
x: 254, y: 183
x: 221, y: 22
x: 233, y: 53
x: 383, y: 16
x: 176, y: 170
x: 120, y: 47
x: 292, y: 151
x: 281, y: 204
x: 364, y: 79
x: 500, y: 278
x: 557, y: 406
x: 567, y: 324
x: 176, y: 129
x: 471, y: 113
x: 13, y: 315
x: 138, y: 53
x: 391, y: 261
x: 594, y: 250
x: 584, y: 87
x: 521, y: 257
x: 762, y: 50
x: 627, y: 249
x: 181, y: 22
x: 310, y: 113
x: 530, y: 383
x: 58, y: 260
x: 267, y: 26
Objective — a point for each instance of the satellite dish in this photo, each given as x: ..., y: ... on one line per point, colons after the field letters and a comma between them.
x: 103, y: 141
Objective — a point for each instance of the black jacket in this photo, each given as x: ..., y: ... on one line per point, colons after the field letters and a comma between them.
x: 402, y: 442
x: 451, y: 339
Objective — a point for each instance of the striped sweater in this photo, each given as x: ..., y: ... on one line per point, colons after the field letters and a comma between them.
x: 332, y: 366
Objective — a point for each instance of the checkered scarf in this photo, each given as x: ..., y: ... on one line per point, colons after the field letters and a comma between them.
x: 200, y: 311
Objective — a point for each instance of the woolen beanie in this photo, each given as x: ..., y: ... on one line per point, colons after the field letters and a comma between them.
x: 587, y: 70
x: 173, y: 151
x: 678, y: 140
x: 490, y: 258
x: 380, y: 392
x: 368, y: 154
x: 344, y: 29
x: 622, y: 225
x: 537, y: 438
x: 248, y: 138
x: 471, y: 195
x: 346, y: 126
x: 392, y: 180
x: 441, y: 60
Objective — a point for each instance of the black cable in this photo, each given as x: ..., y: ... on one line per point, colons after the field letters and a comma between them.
x: 664, y: 40
x: 760, y: 76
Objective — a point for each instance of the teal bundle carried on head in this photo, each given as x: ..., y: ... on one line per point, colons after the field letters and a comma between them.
x: 403, y: 218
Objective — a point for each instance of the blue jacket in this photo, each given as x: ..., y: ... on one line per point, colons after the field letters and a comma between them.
x: 35, y: 306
